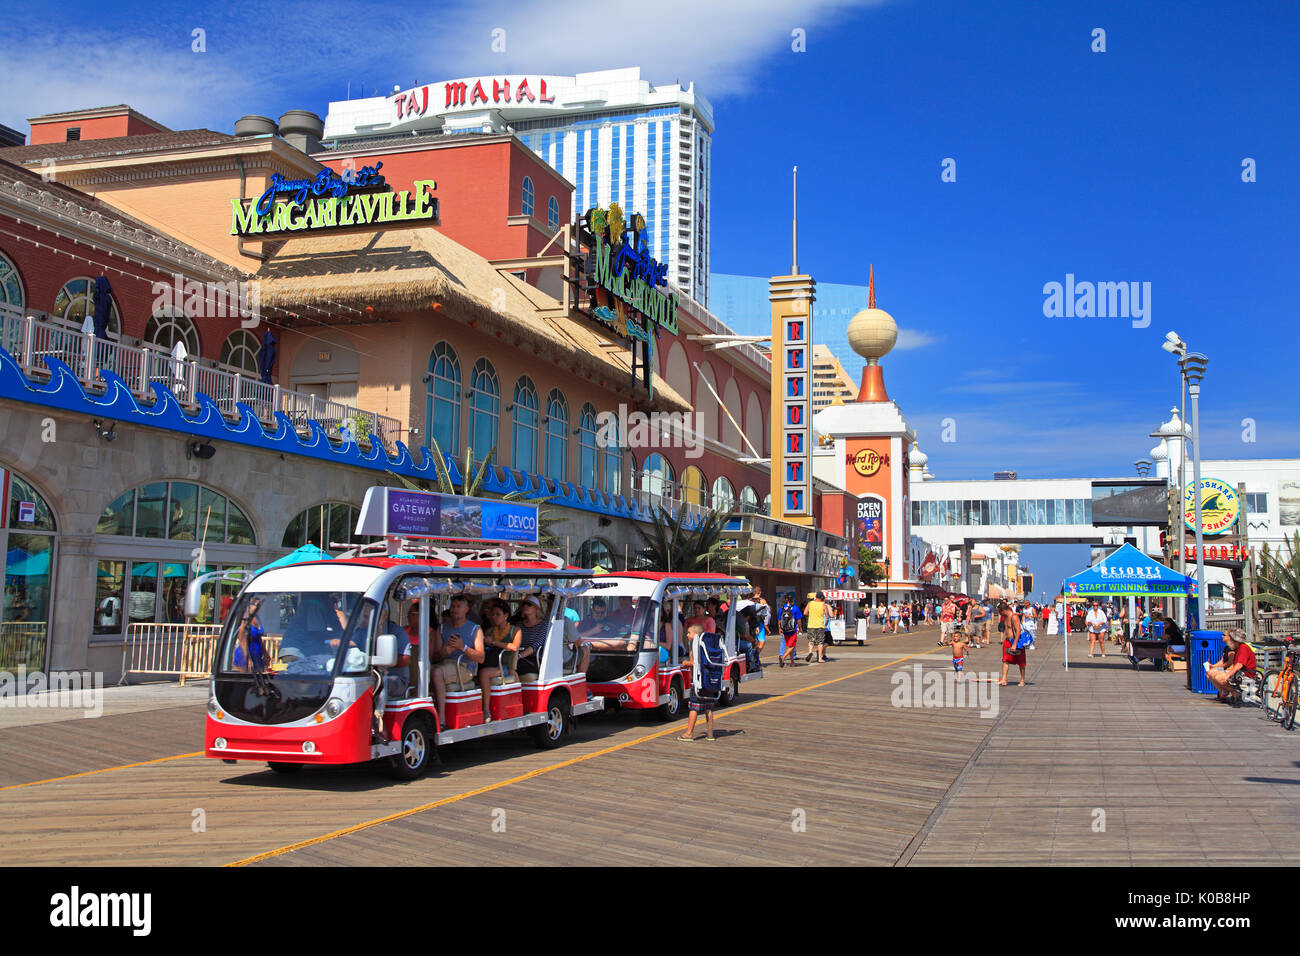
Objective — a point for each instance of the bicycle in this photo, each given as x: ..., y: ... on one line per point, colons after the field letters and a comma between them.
x: 1280, y: 689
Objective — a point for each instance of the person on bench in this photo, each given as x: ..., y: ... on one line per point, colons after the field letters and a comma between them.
x: 1237, y: 663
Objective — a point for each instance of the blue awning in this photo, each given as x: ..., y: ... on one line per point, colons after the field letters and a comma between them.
x: 1130, y: 572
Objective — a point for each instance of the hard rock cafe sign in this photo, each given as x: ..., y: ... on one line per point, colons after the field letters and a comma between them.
x: 867, y: 462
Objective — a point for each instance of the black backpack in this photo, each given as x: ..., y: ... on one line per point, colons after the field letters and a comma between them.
x: 787, y: 622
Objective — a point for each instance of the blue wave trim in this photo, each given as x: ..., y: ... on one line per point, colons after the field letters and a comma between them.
x: 65, y: 392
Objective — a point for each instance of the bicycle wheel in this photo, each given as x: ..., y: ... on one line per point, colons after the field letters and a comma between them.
x: 1289, y: 705
x: 1269, y: 698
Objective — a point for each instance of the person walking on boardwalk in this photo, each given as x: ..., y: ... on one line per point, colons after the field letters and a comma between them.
x: 815, y: 614
x: 1010, y: 628
x: 709, y: 659
x: 788, y: 618
x: 1097, y: 628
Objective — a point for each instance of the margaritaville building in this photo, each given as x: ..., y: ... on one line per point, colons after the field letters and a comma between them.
x: 213, y: 344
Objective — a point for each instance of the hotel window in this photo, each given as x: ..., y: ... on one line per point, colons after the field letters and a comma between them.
x: 72, y: 134
x: 239, y: 350
x: 11, y: 291
x: 167, y: 328
x: 595, y: 553
x: 629, y: 164
x: 593, y: 171
x: 177, y: 510
x: 748, y: 500
x: 587, y: 446
x: 528, y: 196
x: 615, y: 165
x: 724, y: 495
x: 613, y: 454
x: 579, y: 171
x: 656, y: 480
x: 442, y: 400
x: 330, y: 522
x: 693, y: 486
x: 75, y: 301
x: 523, y: 456
x: 552, y: 213
x: 557, y: 436
x: 484, y: 410
x: 1256, y: 502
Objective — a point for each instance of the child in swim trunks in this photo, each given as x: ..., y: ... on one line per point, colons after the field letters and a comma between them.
x: 958, y: 652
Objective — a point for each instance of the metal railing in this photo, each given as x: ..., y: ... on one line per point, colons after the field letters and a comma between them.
x: 22, y: 644
x: 169, y: 650
x: 31, y: 341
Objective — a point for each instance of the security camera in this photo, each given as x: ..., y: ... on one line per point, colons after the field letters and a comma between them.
x: 109, y: 433
x: 199, y: 449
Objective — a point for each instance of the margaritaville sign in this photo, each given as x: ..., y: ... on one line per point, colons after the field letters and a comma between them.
x: 329, y: 201
x: 621, y: 265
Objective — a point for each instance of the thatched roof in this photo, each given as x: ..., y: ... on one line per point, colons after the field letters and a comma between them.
x: 409, y: 270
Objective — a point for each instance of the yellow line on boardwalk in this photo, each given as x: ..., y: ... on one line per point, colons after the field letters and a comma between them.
x: 401, y: 814
x: 87, y: 773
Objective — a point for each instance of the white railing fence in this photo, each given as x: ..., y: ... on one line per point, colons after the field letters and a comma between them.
x: 31, y: 341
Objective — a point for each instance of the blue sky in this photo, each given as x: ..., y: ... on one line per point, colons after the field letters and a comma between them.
x: 1117, y: 166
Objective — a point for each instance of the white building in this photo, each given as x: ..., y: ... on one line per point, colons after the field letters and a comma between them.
x: 615, y: 136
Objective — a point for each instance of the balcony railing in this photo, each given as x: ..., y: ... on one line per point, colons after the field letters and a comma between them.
x: 30, y: 341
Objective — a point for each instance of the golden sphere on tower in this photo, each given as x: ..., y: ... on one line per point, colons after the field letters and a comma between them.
x: 872, y: 333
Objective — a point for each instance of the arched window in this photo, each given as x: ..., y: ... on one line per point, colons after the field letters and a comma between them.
x: 484, y: 410
x: 587, y: 446
x: 595, y: 553
x: 724, y: 495
x: 12, y: 299
x: 657, y: 479
x: 523, y: 437
x: 168, y: 327
x: 552, y: 213
x: 612, y: 441
x: 240, y: 351
x: 27, y: 551
x: 693, y: 486
x: 177, y: 510
x: 767, y: 505
x: 748, y: 500
x: 557, y: 436
x: 442, y: 400
x: 528, y: 196
x: 335, y: 518
x: 75, y: 301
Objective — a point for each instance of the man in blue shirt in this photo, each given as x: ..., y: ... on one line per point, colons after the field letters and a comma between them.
x: 788, y: 618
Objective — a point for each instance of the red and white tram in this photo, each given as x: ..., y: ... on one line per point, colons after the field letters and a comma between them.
x: 328, y: 629
x: 640, y: 656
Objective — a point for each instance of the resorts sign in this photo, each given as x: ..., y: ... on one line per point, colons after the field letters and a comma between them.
x: 330, y: 202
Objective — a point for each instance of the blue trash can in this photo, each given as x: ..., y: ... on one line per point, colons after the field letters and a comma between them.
x: 1206, y: 647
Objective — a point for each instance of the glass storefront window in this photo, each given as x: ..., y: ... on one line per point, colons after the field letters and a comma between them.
x: 150, y: 511
x: 107, y: 613
x: 27, y: 568
x: 175, y: 580
x: 118, y: 516
x: 238, y: 529
x: 142, y: 597
x: 25, y: 503
x: 212, y: 515
x: 182, y: 522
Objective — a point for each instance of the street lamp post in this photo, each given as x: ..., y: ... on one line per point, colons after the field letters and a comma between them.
x: 885, y: 562
x: 1175, y: 346
x: 1193, y: 366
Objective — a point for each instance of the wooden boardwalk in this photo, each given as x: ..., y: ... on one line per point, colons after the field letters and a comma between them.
x: 815, y: 766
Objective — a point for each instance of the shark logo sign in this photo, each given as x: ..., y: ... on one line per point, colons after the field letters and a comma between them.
x: 1220, y: 506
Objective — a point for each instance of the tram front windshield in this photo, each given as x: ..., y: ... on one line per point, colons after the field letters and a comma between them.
x: 614, y: 623
x: 298, y: 634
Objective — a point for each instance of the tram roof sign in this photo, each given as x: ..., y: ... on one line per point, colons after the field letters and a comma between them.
x: 398, y: 512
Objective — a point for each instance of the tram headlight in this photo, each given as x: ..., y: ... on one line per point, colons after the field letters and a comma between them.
x: 638, y: 672
x: 214, y: 708
x: 333, y: 707
x: 219, y: 743
x: 308, y: 747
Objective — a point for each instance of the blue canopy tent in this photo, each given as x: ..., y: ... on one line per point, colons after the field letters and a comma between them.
x: 308, y: 552
x: 1126, y: 572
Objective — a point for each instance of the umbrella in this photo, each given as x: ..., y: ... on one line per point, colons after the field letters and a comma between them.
x: 101, y: 302
x: 308, y: 552
x: 32, y: 565
x: 266, y: 356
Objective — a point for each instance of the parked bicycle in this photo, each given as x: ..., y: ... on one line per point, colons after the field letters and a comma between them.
x: 1280, y: 688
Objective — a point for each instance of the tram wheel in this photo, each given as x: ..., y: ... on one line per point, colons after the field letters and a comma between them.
x: 559, y: 722
x: 673, y: 709
x: 417, y: 749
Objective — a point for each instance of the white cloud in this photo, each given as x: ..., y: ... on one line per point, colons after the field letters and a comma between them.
x: 913, y: 339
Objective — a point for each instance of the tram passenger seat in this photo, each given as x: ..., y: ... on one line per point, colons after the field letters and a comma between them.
x: 509, y: 669
x: 456, y: 676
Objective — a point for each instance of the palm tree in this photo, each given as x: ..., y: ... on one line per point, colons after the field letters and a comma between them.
x: 670, y: 545
x: 473, y: 481
x: 1278, y: 580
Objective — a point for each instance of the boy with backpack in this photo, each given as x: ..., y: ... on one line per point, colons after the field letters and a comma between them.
x: 710, y: 659
x: 788, y: 621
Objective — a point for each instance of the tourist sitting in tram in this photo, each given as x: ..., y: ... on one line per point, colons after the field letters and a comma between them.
x: 498, y: 636
x: 413, y: 635
x: 533, y: 628
x: 746, y: 636
x: 700, y: 616
x: 462, y: 651
x: 666, y: 636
